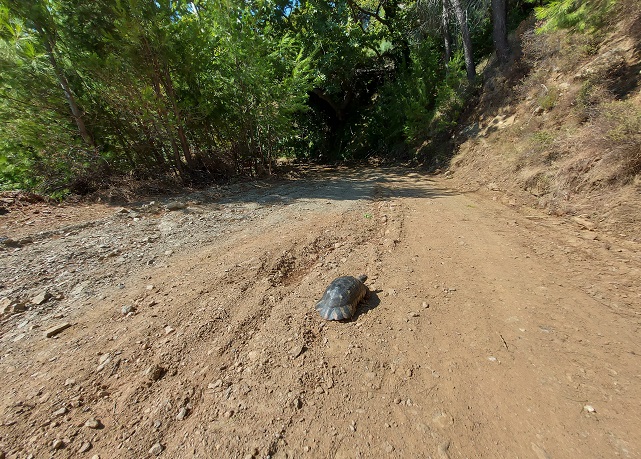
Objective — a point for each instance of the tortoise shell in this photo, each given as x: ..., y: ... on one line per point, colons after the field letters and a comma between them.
x: 342, y: 297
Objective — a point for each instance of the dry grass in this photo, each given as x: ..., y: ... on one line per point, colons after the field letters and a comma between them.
x: 577, y: 103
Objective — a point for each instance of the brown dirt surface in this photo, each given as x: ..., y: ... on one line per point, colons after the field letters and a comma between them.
x: 490, y: 330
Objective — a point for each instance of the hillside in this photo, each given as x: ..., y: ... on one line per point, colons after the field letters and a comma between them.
x: 560, y: 129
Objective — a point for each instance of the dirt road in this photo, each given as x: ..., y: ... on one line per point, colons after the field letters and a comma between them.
x: 489, y: 331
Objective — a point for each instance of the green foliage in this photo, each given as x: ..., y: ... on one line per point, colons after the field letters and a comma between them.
x: 549, y: 99
x: 575, y: 15
x: 205, y: 88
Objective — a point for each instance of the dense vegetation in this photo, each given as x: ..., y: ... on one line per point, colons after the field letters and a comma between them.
x: 207, y: 88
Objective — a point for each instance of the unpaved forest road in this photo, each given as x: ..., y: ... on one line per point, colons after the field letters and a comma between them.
x: 490, y: 333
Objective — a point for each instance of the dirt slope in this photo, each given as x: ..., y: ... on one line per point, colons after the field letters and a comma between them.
x: 489, y: 332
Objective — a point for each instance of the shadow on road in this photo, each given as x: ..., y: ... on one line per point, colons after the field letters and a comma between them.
x: 371, y: 302
x: 342, y: 184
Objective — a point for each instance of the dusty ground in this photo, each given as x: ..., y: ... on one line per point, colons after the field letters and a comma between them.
x: 491, y: 330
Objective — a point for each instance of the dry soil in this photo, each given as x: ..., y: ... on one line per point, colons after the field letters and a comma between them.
x: 490, y: 331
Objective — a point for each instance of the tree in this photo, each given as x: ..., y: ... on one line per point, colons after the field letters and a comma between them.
x: 461, y: 18
x: 39, y: 16
x: 499, y: 30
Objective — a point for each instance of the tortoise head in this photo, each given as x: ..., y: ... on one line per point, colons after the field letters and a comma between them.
x: 362, y: 277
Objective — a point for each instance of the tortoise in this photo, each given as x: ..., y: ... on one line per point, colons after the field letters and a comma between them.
x: 342, y: 297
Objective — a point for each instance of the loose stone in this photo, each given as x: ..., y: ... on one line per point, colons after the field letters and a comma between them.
x: 156, y: 449
x: 93, y: 423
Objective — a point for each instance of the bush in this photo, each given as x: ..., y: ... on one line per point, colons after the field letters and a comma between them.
x: 575, y: 15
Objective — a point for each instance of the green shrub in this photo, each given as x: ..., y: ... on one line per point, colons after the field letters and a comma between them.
x: 574, y: 15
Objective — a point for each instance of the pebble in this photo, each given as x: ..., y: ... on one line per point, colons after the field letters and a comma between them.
x: 182, y: 414
x: 589, y: 409
x: 388, y: 448
x: 5, y: 305
x: 86, y: 446
x: 58, y: 444
x: 53, y: 331
x: 297, y: 350
x: 41, y: 298
x: 155, y: 372
x: 175, y: 205
x: 62, y: 411
x: 298, y: 403
x: 156, y: 449
x: 169, y: 329
x: 95, y: 456
x: 93, y: 423
x: 215, y: 384
x: 228, y: 414
x: 126, y: 309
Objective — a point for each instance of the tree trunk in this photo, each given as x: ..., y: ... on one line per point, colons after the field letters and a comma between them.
x: 447, y: 37
x: 467, y: 41
x: 499, y: 32
x: 169, y: 87
x: 76, y: 113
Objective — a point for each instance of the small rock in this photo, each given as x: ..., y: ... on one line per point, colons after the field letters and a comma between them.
x: 425, y: 305
x: 297, y: 350
x: 93, y: 423
x: 589, y: 409
x: 156, y: 449
x: 155, y: 372
x: 104, y: 358
x: 53, y: 331
x: 388, y: 448
x: 86, y: 446
x: 126, y: 309
x: 95, y: 456
x: 41, y: 298
x: 61, y: 412
x: 182, y: 414
x: 413, y: 314
x: 58, y: 444
x: 228, y: 414
x: 175, y: 205
x: 18, y: 307
x: 215, y: 385
x: 70, y: 382
x: 169, y: 329
x: 298, y: 403
x: 5, y: 305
